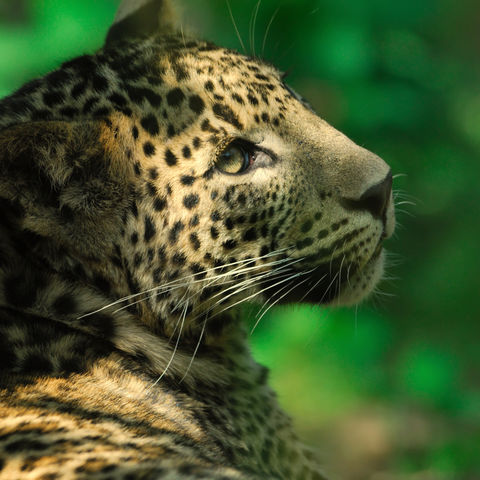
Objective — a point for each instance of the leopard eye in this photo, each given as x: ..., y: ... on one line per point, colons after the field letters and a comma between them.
x: 235, y: 159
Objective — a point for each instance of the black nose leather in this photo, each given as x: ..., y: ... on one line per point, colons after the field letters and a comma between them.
x: 375, y: 199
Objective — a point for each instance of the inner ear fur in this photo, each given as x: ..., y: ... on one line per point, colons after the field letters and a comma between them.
x: 142, y: 18
x: 64, y: 170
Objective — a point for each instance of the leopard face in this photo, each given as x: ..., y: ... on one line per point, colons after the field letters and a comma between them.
x: 242, y: 188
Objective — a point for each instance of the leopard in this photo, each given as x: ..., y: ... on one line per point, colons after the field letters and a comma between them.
x: 148, y: 191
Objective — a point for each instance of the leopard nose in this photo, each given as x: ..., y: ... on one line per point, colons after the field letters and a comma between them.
x: 375, y: 199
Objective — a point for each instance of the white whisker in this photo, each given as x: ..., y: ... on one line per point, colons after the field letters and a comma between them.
x: 184, y: 314
x: 268, y: 30
x: 163, y: 287
x: 236, y: 28
x: 276, y: 301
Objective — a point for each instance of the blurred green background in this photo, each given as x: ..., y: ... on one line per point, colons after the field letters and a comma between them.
x: 390, y: 390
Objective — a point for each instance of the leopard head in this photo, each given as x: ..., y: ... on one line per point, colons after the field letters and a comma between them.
x: 177, y: 179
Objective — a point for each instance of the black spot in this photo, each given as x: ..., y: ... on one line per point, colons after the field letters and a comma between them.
x: 170, y: 158
x: 89, y: 104
x: 181, y: 73
x: 69, y: 112
x: 53, y: 98
x: 225, y: 113
x: 250, y: 235
x: 171, y: 131
x: 150, y: 229
x: 307, y: 226
x: 187, y: 180
x: 187, y: 153
x: 195, y: 241
x: 101, y: 112
x: 152, y: 189
x: 175, y: 232
x: 175, y: 97
x: 198, y: 270
x: 238, y: 98
x: 242, y: 199
x: 179, y: 259
x: 150, y: 124
x: 136, y: 169
x: 138, y: 94
x: 118, y: 99
x: 99, y: 82
x: 264, y: 251
x: 208, y: 174
x: 209, y: 86
x: 134, y: 238
x: 265, y: 117
x: 336, y: 226
x: 196, y: 142
x: 252, y: 99
x: 64, y: 304
x: 215, y: 216
x: 134, y: 132
x: 137, y: 260
x: 306, y: 242
x: 322, y: 234
x: 153, y: 173
x: 154, y: 99
x: 197, y: 104
x: 229, y: 244
x: 149, y: 149
x: 229, y: 223
x: 191, y: 201
x: 213, y: 233
x: 194, y: 221
x: 159, y: 204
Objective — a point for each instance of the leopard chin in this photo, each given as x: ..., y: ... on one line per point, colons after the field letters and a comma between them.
x: 336, y: 283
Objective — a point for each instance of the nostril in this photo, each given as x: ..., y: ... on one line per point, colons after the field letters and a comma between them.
x: 375, y: 199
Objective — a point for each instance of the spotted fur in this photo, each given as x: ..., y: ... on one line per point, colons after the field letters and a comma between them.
x: 124, y: 249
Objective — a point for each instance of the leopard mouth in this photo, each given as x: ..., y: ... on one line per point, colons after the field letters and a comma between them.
x: 321, y: 284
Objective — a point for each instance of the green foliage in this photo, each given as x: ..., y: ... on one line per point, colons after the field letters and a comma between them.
x: 400, y: 78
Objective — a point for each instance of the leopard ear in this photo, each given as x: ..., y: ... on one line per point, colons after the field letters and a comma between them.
x: 64, y: 174
x: 141, y: 18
